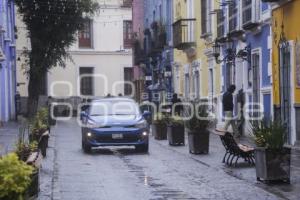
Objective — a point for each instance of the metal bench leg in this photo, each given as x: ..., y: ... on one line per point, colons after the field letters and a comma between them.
x: 227, y: 161
x: 235, y: 164
x: 224, y: 157
x: 231, y: 162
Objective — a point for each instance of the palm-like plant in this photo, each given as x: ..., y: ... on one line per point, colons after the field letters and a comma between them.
x: 271, y: 135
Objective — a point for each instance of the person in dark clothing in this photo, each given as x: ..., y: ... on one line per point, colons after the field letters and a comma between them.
x: 228, y: 110
x: 176, y: 100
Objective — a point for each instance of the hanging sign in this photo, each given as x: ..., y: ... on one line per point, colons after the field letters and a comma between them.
x: 297, y: 54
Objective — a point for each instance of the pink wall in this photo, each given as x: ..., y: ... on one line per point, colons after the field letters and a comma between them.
x: 138, y: 27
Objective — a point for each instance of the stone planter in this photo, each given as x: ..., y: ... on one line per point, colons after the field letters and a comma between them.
x: 175, y: 135
x: 273, y: 165
x: 159, y: 131
x: 198, y: 141
x: 33, y: 189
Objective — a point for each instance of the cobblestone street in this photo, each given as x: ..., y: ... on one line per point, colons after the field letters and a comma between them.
x: 165, y: 173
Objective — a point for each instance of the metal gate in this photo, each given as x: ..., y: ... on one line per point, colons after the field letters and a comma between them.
x: 285, y: 89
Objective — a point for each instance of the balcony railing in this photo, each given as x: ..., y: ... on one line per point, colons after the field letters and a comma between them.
x: 183, y: 34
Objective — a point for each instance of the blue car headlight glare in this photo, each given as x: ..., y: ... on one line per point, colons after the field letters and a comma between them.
x: 141, y: 124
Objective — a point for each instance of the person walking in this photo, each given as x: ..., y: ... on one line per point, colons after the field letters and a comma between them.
x: 228, y: 111
x: 176, y: 100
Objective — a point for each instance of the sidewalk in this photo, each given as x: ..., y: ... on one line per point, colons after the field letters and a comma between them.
x: 243, y: 171
x: 8, y: 137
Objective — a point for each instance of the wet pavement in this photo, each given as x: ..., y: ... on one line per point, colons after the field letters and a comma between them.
x: 165, y: 173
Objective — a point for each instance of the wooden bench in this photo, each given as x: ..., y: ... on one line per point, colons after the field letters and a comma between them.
x: 236, y: 151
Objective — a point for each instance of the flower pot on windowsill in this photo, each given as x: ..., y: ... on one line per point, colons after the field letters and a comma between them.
x: 198, y: 141
x: 176, y: 134
x: 159, y: 131
x: 273, y: 165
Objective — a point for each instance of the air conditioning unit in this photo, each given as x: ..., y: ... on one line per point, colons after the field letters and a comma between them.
x: 2, y: 56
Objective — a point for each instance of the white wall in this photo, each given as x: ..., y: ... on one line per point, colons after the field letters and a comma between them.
x: 108, y: 56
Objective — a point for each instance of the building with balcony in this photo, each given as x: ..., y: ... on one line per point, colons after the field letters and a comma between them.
x: 196, y: 75
x: 286, y: 65
x: 244, y: 35
x: 158, y: 50
x: 7, y: 61
x: 138, y: 49
x: 101, y: 57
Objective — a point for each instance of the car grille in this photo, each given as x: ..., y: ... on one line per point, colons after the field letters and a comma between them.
x: 108, y: 139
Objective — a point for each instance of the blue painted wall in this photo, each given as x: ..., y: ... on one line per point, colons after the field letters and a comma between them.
x: 260, y: 40
x: 7, y: 69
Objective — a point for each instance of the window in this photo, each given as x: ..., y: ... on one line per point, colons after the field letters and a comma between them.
x: 86, y: 80
x: 233, y: 13
x: 230, y: 75
x: 126, y: 4
x: 256, y: 77
x: 85, y: 35
x: 128, y: 77
x: 211, y: 82
x: 220, y: 24
x: 127, y: 34
x: 187, y: 86
x: 197, y: 84
x: 206, y: 17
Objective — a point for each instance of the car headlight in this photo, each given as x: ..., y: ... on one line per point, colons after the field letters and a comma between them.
x: 141, y: 124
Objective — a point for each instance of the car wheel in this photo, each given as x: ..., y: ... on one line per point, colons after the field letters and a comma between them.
x: 142, y: 148
x: 86, y: 148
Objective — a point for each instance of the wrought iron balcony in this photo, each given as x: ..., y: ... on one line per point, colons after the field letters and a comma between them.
x: 183, y: 34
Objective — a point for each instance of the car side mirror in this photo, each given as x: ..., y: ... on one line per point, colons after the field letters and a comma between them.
x: 83, y: 114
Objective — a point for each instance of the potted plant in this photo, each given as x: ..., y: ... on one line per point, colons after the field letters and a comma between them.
x: 39, y: 131
x: 272, y: 158
x: 14, y: 177
x: 198, y: 133
x: 159, y: 127
x: 176, y: 131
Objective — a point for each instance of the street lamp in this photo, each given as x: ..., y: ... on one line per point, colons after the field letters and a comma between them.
x: 231, y: 53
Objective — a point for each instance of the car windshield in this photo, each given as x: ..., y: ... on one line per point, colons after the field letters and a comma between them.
x: 103, y: 108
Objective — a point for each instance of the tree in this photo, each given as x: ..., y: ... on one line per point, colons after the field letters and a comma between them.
x: 52, y: 27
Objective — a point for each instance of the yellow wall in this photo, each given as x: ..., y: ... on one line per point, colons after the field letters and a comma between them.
x: 180, y: 11
x: 289, y: 16
x: 179, y: 56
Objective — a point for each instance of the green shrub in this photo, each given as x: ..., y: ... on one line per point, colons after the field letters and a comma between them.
x: 161, y: 119
x: 200, y: 119
x: 271, y: 135
x: 176, y: 121
x: 14, y: 177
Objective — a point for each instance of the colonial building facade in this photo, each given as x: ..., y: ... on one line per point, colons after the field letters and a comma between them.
x: 101, y: 57
x: 244, y: 39
x: 7, y: 60
x: 158, y: 50
x: 286, y: 65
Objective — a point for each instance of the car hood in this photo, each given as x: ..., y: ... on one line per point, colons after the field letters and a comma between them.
x: 116, y: 120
